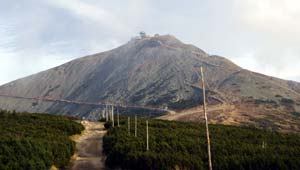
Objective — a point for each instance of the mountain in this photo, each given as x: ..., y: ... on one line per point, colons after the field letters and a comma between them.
x: 159, y: 72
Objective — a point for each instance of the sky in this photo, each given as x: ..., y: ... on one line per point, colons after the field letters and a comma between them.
x: 259, y: 35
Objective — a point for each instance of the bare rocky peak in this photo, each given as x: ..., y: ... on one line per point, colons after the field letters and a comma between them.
x: 156, y: 71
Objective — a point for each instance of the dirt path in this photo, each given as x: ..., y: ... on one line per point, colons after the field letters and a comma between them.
x: 89, y: 148
x: 189, y: 112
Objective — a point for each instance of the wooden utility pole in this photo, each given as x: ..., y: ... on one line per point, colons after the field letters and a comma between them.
x: 264, y: 145
x: 103, y: 114
x: 206, y: 122
x: 112, y: 116
x: 147, y: 129
x: 118, y: 117
x: 128, y: 125
x: 109, y: 113
x: 106, y: 113
x: 135, y: 126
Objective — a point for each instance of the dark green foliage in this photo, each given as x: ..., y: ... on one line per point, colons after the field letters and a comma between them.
x: 35, y: 141
x: 108, y: 125
x: 296, y: 114
x: 262, y: 101
x: 102, y: 120
x: 175, y: 145
x: 131, y: 111
x: 287, y: 101
x: 183, y: 104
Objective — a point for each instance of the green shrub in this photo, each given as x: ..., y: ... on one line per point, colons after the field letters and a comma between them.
x: 296, y: 114
x: 175, y: 145
x: 287, y: 101
x: 35, y: 141
x: 108, y: 125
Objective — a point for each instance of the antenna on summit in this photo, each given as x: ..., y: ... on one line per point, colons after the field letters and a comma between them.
x: 143, y: 34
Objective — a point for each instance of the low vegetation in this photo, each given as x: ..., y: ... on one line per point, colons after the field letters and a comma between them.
x: 296, y: 114
x: 35, y: 141
x: 183, y: 104
x: 143, y: 112
x: 262, y: 101
x: 176, y: 145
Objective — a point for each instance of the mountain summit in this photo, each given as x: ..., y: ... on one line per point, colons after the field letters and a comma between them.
x: 160, y: 72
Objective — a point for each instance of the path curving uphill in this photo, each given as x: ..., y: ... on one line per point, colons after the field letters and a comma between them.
x: 89, y: 148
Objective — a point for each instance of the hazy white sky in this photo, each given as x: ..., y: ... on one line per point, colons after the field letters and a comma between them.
x: 260, y: 35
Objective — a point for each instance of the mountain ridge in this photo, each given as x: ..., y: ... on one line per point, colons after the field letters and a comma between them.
x: 161, y: 72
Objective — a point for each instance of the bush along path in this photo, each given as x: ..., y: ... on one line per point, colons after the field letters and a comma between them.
x: 36, y: 141
x: 176, y: 145
x: 89, y: 154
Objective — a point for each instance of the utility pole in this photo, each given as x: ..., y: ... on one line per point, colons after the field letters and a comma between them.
x: 206, y: 122
x: 103, y: 114
x: 109, y: 113
x: 128, y: 125
x: 147, y: 129
x: 106, y: 113
x: 112, y: 116
x: 264, y: 145
x: 118, y: 117
x: 135, y: 126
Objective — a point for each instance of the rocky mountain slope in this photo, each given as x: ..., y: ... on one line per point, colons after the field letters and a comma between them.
x: 159, y: 72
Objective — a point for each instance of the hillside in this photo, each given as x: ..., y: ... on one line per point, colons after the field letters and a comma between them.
x: 175, y: 145
x: 36, y: 141
x: 161, y: 72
